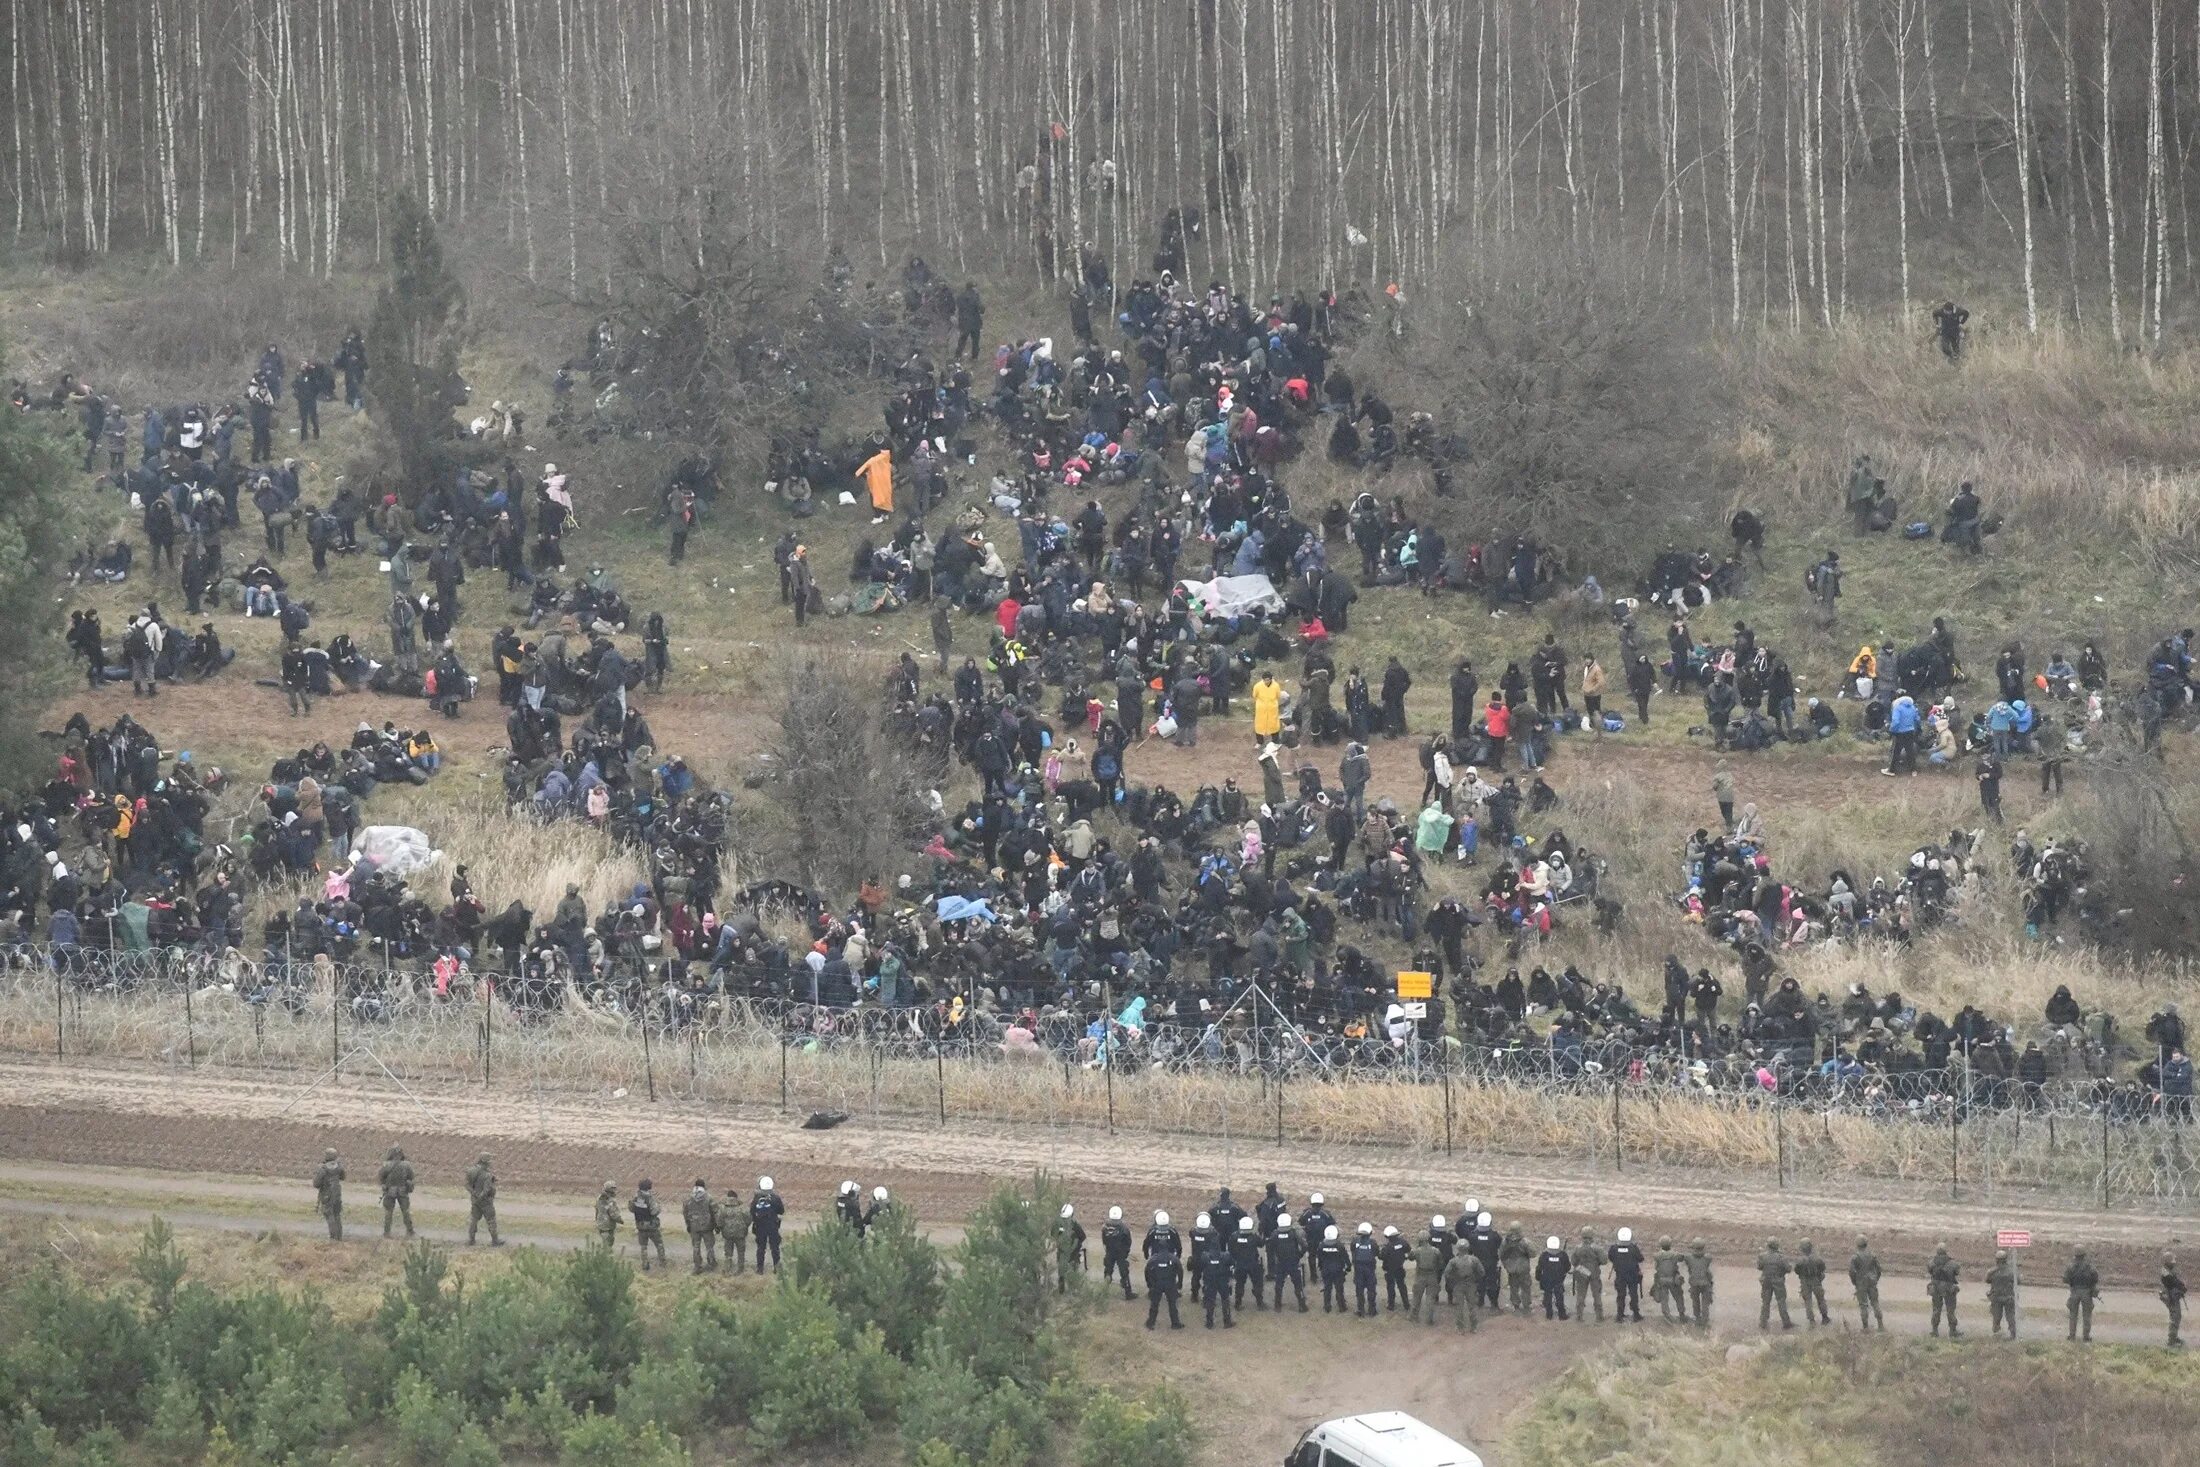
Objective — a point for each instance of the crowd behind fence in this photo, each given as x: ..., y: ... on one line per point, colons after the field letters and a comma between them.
x: 1248, y: 1074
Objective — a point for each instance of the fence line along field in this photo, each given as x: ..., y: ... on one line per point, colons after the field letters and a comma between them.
x: 1949, y: 1133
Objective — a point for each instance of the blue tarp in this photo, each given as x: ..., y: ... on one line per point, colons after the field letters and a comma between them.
x: 958, y: 909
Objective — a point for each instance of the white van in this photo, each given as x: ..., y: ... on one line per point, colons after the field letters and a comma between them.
x: 1378, y: 1439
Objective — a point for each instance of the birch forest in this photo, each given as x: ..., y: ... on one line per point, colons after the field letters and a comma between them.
x: 1795, y: 160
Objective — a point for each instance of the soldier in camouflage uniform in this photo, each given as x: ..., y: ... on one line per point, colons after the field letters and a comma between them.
x: 2084, y: 1283
x: 2001, y: 1294
x: 1463, y: 1281
x: 1943, y: 1282
x: 1699, y: 1284
x: 1588, y: 1278
x: 328, y: 1193
x: 1864, y: 1278
x: 1772, y: 1285
x: 397, y: 1189
x: 733, y: 1228
x: 1428, y: 1280
x: 1810, y: 1273
x: 700, y: 1216
x: 2172, y: 1295
x: 607, y: 1216
x: 1515, y: 1257
x: 649, y: 1222
x: 1665, y: 1283
x: 481, y: 1201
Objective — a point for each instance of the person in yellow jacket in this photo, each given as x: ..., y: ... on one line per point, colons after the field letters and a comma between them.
x: 1864, y: 671
x: 877, y: 475
x: 1267, y: 708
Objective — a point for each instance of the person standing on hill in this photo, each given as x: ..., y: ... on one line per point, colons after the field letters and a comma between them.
x: 1948, y: 324
x: 969, y: 320
x: 877, y: 474
x: 312, y: 383
x: 803, y: 583
x: 1397, y: 682
x: 2172, y: 1295
x: 351, y: 360
x: 684, y: 517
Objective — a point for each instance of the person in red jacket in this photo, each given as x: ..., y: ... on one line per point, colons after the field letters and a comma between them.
x: 1497, y: 721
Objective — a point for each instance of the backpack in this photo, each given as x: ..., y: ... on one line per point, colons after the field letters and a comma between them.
x: 137, y: 644
x: 1812, y: 578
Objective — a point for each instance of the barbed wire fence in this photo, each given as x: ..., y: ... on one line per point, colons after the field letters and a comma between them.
x: 1249, y: 1075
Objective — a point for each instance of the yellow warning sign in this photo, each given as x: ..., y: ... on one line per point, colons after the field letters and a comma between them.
x: 1416, y: 985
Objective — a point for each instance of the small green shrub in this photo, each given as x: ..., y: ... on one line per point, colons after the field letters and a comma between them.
x: 671, y: 1390
x: 1154, y: 1430
x: 948, y: 1403
x: 177, y: 1428
x: 606, y: 1441
x: 811, y: 1385
x: 889, y: 1278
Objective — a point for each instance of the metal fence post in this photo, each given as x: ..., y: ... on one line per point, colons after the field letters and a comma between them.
x: 939, y: 1069
x: 649, y: 1060
x: 190, y: 1034
x: 1955, y: 1131
x: 1447, y: 1106
x: 782, y: 1074
x: 1107, y: 1057
x: 1780, y: 1142
x: 2104, y: 1152
x: 57, y: 1018
x: 1619, y: 1150
x: 488, y: 1026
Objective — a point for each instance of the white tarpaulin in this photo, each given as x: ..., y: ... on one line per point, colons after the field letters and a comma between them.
x: 398, y: 850
x: 1235, y: 595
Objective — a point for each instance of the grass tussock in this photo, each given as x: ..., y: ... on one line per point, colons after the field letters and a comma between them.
x: 1845, y: 1402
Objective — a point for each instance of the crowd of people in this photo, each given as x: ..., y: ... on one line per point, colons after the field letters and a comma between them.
x: 1071, y: 904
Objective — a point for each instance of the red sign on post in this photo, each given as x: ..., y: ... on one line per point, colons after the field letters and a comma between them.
x: 2013, y: 1238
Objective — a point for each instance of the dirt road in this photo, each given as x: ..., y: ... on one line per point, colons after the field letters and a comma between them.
x: 155, y: 1119
x: 112, y: 1148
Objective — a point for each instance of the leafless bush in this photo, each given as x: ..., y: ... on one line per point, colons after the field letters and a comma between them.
x: 849, y: 795
x: 1593, y: 408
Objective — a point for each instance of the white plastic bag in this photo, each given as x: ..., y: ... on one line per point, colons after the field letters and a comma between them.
x: 399, y: 850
